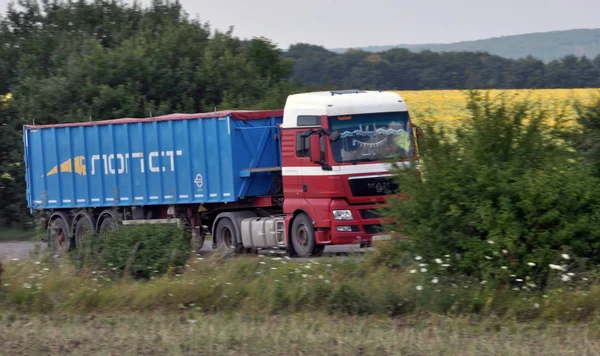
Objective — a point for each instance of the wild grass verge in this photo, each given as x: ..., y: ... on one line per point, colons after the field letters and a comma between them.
x: 309, y: 333
x: 277, y: 285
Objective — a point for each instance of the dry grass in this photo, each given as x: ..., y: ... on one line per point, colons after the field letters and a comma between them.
x: 298, y: 334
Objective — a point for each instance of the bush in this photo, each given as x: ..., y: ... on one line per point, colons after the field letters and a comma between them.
x: 139, y: 251
x: 500, y: 198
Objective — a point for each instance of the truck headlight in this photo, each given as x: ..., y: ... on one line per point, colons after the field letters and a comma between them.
x: 342, y: 215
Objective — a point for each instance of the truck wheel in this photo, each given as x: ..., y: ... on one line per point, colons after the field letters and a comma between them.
x: 108, y: 226
x: 59, y: 237
x: 303, y: 236
x: 83, y: 231
x: 225, y: 235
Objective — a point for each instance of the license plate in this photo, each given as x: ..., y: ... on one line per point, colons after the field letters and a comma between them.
x: 382, y: 237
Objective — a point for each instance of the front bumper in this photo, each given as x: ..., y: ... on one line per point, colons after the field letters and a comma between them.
x: 368, y: 224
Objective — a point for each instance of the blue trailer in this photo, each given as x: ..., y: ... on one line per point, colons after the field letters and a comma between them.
x: 88, y: 171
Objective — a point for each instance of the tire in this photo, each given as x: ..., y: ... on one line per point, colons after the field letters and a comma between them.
x: 83, y: 230
x: 59, y: 236
x: 226, y: 236
x: 108, y: 226
x: 303, y: 237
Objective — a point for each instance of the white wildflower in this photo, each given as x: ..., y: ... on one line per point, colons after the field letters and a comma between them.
x: 192, y: 321
x: 419, y: 287
x: 585, y: 279
x: 320, y: 276
x: 438, y: 261
x: 504, y: 251
x: 445, y: 265
x: 447, y: 256
x: 435, y: 280
x: 273, y: 268
x: 15, y: 259
x: 229, y: 283
x: 504, y: 267
x: 488, y: 258
x: 516, y: 289
x: 483, y: 282
x: 565, y: 256
x: 37, y: 262
x: 328, y: 265
x: 413, y: 271
x: 565, y: 278
x: 531, y: 264
x: 418, y: 258
x: 262, y: 262
x: 571, y: 274
x: 556, y: 267
x: 423, y: 270
x: 519, y: 280
x: 536, y: 305
x: 46, y: 269
x: 422, y: 264
x: 27, y: 285
x: 490, y: 242
x: 304, y: 275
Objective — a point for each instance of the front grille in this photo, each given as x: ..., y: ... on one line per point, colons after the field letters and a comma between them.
x: 373, y: 186
x: 370, y: 214
x: 373, y: 229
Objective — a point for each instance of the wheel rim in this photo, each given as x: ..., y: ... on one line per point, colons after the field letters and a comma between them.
x: 227, y: 237
x: 302, y: 236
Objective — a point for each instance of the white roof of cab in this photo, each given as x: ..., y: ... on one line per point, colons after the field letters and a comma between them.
x: 344, y: 102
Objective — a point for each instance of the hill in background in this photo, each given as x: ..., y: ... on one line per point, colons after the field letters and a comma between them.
x: 546, y: 46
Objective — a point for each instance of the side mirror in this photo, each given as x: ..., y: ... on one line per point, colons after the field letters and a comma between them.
x: 315, y: 149
x: 334, y: 135
x: 419, y: 133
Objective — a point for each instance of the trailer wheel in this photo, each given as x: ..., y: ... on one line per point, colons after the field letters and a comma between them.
x: 303, y: 236
x: 59, y: 237
x: 83, y: 230
x: 108, y: 226
x: 225, y: 235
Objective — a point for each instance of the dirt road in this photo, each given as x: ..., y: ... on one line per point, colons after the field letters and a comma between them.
x: 21, y: 250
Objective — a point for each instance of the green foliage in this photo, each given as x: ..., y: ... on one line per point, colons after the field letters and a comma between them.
x: 139, y: 251
x: 66, y: 61
x: 587, y: 139
x: 500, y: 198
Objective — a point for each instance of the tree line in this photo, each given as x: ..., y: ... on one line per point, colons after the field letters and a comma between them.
x: 402, y: 69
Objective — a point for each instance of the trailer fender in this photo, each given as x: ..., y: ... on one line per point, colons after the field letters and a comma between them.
x: 108, y: 212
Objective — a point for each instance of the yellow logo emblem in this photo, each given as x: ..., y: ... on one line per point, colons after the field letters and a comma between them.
x: 67, y: 167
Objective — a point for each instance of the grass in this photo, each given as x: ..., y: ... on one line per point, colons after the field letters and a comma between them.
x: 307, y: 333
x: 266, y: 286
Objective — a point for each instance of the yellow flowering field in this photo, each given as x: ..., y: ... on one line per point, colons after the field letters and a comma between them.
x: 448, y: 106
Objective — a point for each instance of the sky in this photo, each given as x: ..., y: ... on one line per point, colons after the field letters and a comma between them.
x: 358, y: 23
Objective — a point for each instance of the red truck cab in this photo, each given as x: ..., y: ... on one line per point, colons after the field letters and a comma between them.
x: 336, y: 149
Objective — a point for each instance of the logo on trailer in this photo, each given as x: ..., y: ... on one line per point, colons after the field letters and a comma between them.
x: 109, y: 164
x: 199, y: 181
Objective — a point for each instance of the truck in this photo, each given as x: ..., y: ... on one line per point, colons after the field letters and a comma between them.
x: 313, y: 174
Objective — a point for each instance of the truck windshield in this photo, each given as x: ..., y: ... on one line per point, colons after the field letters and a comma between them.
x: 371, y: 137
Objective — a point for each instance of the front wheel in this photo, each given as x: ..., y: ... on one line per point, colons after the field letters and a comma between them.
x: 225, y: 235
x: 303, y: 237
